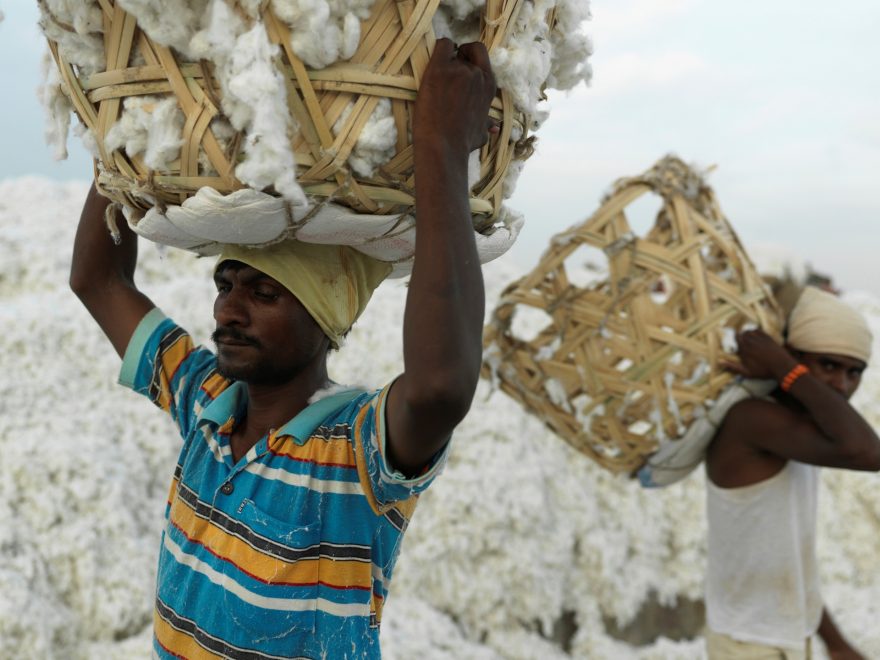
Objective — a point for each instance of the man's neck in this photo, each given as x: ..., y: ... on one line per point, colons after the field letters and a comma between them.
x: 271, y: 406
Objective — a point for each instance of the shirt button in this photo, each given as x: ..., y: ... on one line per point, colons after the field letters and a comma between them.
x: 227, y: 488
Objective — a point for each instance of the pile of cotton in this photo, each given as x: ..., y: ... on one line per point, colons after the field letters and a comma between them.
x: 215, y: 97
x: 522, y: 549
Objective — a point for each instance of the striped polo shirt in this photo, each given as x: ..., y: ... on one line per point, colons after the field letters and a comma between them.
x: 289, y: 552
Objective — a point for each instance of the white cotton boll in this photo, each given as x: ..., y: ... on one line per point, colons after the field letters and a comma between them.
x: 82, y: 17
x: 511, y: 178
x: 520, y: 70
x: 572, y: 48
x: 360, y: 8
x: 461, y: 9
x: 441, y: 26
x: 251, y: 7
x: 522, y: 66
x: 314, y: 37
x: 215, y: 41
x: 76, y: 28
x: 318, y: 45
x: 130, y: 130
x: 164, y: 136
x: 351, y: 36
x: 323, y: 32
x: 167, y: 22
x: 148, y: 126
x: 87, y: 137
x: 473, y: 169
x: 224, y: 132
x: 377, y: 142
x: 446, y: 26
x: 255, y: 83
x: 57, y: 108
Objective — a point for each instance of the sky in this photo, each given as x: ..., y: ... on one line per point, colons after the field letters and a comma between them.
x: 782, y: 97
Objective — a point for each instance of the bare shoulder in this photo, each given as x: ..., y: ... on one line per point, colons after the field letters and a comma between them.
x: 736, y: 456
x: 758, y: 416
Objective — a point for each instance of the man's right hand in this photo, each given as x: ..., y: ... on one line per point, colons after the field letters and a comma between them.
x: 455, y: 95
x: 760, y: 356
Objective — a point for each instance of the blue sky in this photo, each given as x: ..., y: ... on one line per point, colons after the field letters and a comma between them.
x: 783, y: 97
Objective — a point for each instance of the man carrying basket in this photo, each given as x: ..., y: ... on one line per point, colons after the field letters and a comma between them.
x: 290, y: 497
x: 762, y: 587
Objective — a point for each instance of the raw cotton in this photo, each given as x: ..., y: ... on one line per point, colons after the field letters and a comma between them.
x: 518, y: 536
x: 150, y: 126
x: 233, y: 38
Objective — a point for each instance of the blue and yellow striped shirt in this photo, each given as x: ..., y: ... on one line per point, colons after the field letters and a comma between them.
x: 289, y: 552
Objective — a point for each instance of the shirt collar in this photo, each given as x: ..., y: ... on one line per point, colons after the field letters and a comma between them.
x: 232, y: 402
x: 301, y: 427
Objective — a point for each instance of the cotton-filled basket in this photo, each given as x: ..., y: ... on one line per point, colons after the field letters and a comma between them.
x: 294, y: 113
x: 625, y: 360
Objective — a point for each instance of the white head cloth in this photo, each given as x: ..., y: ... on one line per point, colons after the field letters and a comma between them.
x: 822, y: 323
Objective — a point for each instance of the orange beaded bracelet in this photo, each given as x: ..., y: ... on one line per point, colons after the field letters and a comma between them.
x: 791, y: 377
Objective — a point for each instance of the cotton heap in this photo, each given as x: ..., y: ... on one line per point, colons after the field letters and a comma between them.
x: 822, y: 323
x: 303, y: 104
x: 334, y: 283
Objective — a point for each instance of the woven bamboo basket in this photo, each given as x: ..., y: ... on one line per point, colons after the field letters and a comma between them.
x: 628, y: 361
x: 395, y: 45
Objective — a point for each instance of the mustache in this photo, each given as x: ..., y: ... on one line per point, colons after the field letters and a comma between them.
x: 223, y: 332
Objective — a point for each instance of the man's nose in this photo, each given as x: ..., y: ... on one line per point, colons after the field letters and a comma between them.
x: 841, y: 382
x: 229, y: 308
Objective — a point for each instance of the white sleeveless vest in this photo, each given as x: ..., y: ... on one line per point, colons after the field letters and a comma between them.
x: 762, y: 583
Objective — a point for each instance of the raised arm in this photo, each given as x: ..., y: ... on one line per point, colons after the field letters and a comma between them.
x: 102, y: 273
x: 443, y: 320
x: 834, y: 435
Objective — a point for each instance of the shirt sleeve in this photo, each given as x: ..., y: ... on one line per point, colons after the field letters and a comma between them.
x: 387, y: 486
x: 162, y: 364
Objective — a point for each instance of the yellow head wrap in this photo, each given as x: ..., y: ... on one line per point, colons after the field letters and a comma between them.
x: 334, y: 283
x: 822, y: 323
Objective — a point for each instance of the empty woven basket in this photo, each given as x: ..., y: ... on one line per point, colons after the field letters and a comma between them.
x: 626, y: 361
x: 330, y: 106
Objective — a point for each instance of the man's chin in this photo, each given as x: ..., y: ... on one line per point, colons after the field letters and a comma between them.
x: 233, y: 371
x: 253, y: 374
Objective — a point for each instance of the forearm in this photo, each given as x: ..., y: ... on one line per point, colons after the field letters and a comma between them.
x: 102, y: 273
x: 838, y: 421
x: 98, y: 262
x: 445, y: 302
x: 443, y: 319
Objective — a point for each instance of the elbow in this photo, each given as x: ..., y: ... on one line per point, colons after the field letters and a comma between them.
x: 79, y: 283
x: 84, y: 285
x: 445, y: 402
x: 864, y: 457
x: 872, y: 458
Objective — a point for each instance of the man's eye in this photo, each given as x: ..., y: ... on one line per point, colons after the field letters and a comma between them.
x: 265, y: 295
x: 222, y: 288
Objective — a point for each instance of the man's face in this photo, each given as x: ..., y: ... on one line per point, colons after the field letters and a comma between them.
x: 842, y: 374
x: 264, y: 335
